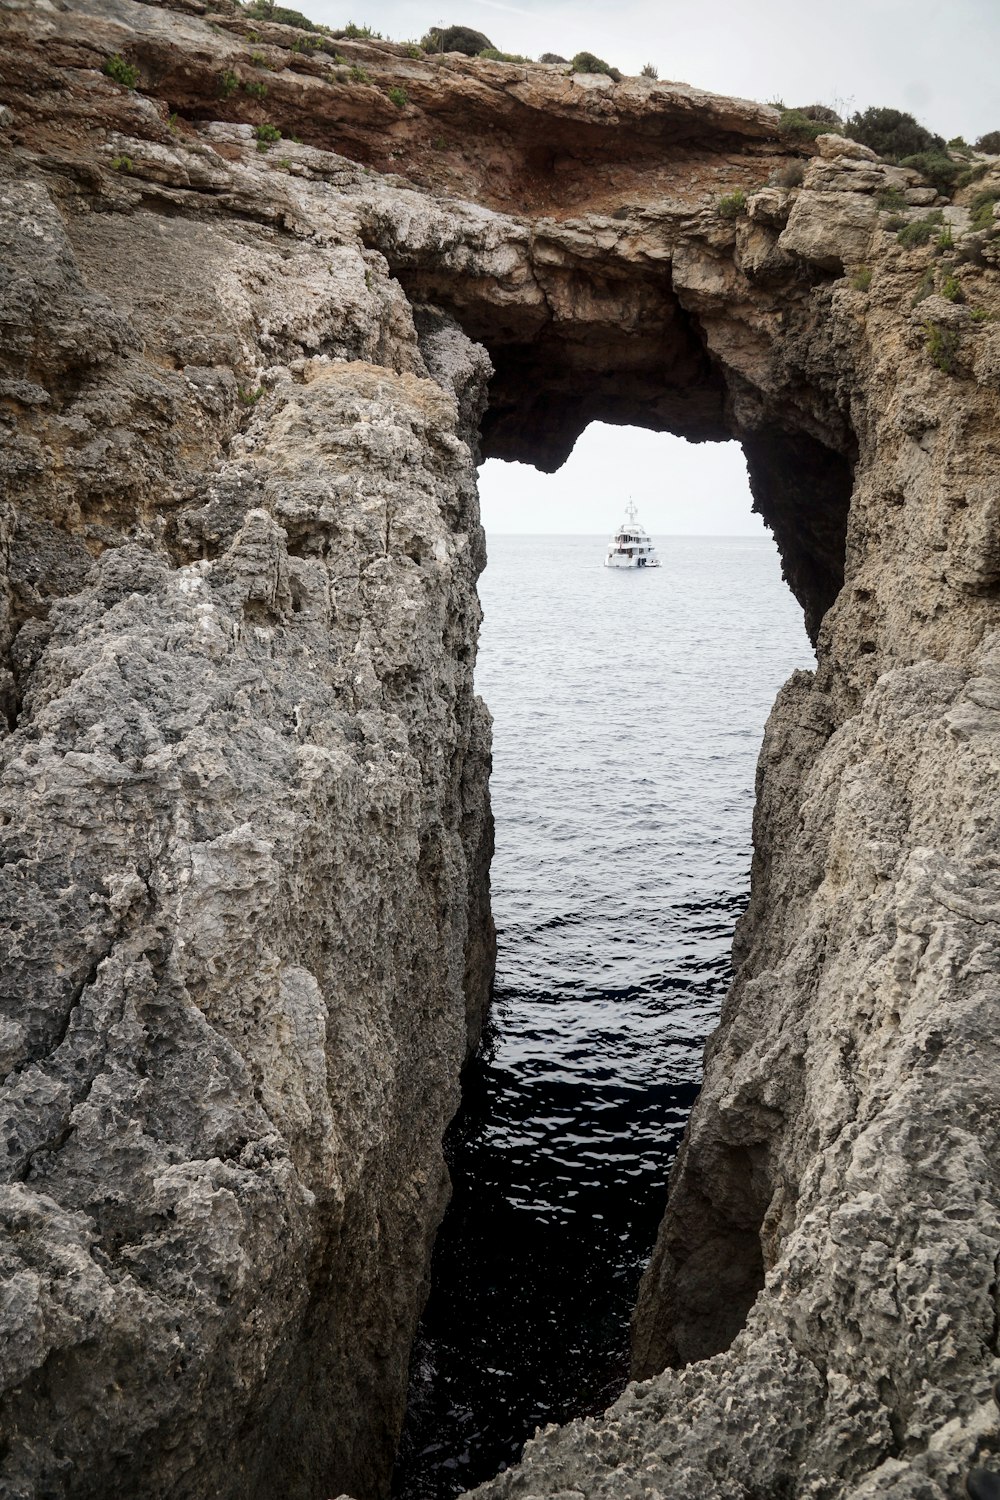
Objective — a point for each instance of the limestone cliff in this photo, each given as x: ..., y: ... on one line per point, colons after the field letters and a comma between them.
x: 245, y: 821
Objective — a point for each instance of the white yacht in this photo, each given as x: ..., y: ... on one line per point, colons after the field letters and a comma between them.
x: 631, y: 546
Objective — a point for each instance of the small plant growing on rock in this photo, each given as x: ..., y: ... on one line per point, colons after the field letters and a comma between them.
x: 266, y: 135
x: 951, y: 289
x: 397, y: 97
x: 413, y: 49
x: 248, y: 396
x: 732, y: 205
x: 360, y: 33
x: 990, y: 143
x: 945, y: 240
x: 359, y: 74
x: 942, y: 346
x: 862, y: 279
x: 259, y: 60
x: 456, y: 39
x: 891, y: 199
x: 649, y: 70
x: 256, y: 90
x: 588, y: 62
x: 980, y: 315
x: 266, y: 10
x: 920, y: 231
x: 971, y: 175
x: 123, y: 164
x: 228, y: 84
x: 935, y: 167
x: 981, y: 208
x: 554, y: 58
x: 116, y: 68
x: 796, y: 122
x: 493, y: 54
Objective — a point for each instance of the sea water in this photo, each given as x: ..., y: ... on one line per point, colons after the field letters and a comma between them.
x: 628, y: 712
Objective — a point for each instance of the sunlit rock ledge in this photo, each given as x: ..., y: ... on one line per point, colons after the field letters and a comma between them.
x: 246, y: 383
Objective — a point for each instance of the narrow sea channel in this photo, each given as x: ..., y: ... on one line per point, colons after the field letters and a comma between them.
x: 628, y: 712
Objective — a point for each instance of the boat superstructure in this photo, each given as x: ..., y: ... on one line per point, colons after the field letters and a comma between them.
x: 631, y: 546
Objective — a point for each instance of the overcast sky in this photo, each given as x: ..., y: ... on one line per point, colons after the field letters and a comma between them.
x: 679, y: 488
x: 939, y: 59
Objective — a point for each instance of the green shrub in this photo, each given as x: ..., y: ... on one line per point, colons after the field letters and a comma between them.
x: 971, y: 175
x: 862, y: 279
x: 456, y: 39
x: 945, y: 240
x: 897, y: 222
x: 248, y: 396
x: 822, y: 114
x: 266, y: 10
x: 649, y: 70
x: 951, y: 289
x: 981, y: 208
x: 116, y: 68
x: 266, y: 136
x: 553, y: 57
x: 589, y: 62
x: 919, y: 231
x: 942, y: 346
x: 980, y: 315
x: 397, y: 96
x: 494, y: 55
x: 413, y: 50
x: 794, y: 122
x: 358, y: 74
x: 990, y: 143
x: 891, y: 133
x: 256, y: 90
x: 360, y: 33
x: 892, y: 198
x: 732, y: 205
x: 959, y: 143
x: 228, y: 84
x: 123, y: 164
x: 259, y: 60
x: 935, y: 167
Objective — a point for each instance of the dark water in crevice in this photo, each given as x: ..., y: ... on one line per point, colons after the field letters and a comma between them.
x: 628, y: 711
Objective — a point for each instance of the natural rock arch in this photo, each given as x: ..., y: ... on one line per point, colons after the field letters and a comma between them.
x: 245, y: 821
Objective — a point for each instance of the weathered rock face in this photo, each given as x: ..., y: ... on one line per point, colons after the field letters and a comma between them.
x: 245, y: 822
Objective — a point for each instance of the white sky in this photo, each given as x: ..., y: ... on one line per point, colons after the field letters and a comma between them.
x: 679, y: 488
x: 936, y: 58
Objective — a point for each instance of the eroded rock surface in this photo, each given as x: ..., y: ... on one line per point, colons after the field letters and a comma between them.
x: 245, y: 826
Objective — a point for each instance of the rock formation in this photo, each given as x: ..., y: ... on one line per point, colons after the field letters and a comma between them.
x: 245, y: 824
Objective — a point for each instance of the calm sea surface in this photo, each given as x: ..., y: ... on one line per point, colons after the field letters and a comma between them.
x: 628, y: 712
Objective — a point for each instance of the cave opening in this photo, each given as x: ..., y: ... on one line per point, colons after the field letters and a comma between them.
x: 628, y: 712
